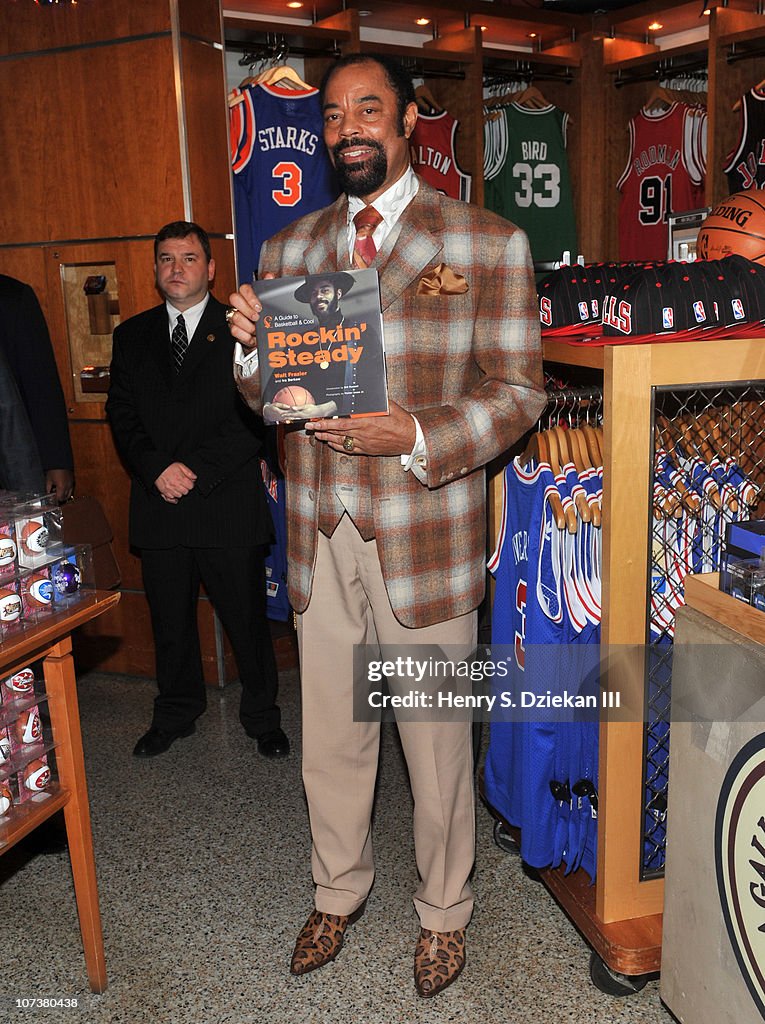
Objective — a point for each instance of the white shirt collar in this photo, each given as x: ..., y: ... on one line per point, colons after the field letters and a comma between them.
x: 393, y: 201
x: 191, y: 316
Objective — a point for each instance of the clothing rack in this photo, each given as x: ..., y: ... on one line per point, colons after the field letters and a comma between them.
x: 665, y: 70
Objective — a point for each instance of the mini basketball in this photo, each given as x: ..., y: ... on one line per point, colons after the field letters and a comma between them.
x: 36, y: 776
x: 6, y: 798
x: 34, y: 537
x: 22, y: 682
x: 10, y: 606
x: 38, y: 589
x: 294, y: 395
x: 736, y: 225
x: 7, y: 549
x: 28, y: 728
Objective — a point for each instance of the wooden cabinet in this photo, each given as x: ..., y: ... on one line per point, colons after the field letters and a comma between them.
x: 621, y: 915
x: 53, y: 644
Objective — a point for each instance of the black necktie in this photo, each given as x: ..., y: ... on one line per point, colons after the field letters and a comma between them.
x: 179, y: 342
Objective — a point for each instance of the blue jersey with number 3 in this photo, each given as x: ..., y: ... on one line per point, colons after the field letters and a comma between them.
x: 280, y: 163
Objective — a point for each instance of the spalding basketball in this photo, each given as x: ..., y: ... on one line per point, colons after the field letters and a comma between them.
x: 736, y: 225
x: 294, y: 395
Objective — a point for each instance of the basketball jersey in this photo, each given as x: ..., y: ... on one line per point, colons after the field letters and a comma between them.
x: 661, y: 177
x: 277, y: 601
x: 527, y: 177
x: 434, y: 154
x: 745, y: 166
x: 527, y: 607
x: 280, y: 164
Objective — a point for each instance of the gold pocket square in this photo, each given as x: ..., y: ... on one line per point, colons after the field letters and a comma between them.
x: 442, y: 281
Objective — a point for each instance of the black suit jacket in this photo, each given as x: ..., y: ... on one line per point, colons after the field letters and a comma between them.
x: 26, y: 343
x: 196, y: 417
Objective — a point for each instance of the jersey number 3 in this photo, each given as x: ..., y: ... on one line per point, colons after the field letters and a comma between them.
x: 291, y: 191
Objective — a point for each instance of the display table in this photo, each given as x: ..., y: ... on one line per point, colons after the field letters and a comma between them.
x: 52, y: 643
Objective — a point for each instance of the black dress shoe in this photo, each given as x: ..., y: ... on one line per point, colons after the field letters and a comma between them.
x: 273, y: 744
x: 157, y: 741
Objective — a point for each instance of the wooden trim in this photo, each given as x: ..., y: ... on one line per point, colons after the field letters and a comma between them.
x: 702, y: 593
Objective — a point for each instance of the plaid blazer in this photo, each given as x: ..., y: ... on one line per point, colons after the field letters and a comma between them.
x: 468, y: 366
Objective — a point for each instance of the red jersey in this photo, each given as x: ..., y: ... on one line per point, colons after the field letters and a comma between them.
x: 434, y: 156
x: 661, y: 177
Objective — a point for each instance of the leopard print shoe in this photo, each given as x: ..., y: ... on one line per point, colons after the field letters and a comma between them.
x: 438, y: 960
x: 319, y: 941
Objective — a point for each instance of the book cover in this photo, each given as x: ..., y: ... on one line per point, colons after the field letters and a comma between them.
x: 321, y: 350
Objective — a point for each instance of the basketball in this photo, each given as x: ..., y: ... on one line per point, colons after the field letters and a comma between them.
x: 736, y: 225
x: 294, y: 395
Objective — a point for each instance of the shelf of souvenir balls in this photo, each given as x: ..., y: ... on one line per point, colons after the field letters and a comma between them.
x: 39, y: 575
x: 27, y: 762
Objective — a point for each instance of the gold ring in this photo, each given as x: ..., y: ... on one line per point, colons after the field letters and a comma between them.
x: 348, y: 443
x: 230, y: 314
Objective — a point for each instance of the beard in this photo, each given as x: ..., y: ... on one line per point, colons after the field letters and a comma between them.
x: 364, y: 178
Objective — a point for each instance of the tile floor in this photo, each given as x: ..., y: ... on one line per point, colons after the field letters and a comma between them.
x: 203, y: 866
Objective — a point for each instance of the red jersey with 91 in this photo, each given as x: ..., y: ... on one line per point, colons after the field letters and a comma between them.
x: 661, y: 177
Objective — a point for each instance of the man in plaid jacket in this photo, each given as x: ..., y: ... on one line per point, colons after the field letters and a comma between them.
x: 387, y: 515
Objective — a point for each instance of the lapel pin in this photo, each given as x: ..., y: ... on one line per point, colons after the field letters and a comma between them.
x: 211, y: 337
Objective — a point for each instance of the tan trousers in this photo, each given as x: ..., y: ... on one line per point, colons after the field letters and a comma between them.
x: 349, y: 605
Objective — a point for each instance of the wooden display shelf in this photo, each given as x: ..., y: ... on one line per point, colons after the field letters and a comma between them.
x: 51, y: 642
x: 702, y: 593
x: 621, y: 915
x: 25, y: 818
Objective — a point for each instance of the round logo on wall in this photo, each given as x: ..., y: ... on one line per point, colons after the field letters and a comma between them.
x: 740, y: 862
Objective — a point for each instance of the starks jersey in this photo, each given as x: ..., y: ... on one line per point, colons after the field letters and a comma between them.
x: 280, y: 163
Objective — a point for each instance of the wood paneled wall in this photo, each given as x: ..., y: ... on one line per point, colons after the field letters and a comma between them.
x: 113, y: 122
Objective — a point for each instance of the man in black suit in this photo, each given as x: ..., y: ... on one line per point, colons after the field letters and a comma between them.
x: 197, y: 508
x: 26, y: 345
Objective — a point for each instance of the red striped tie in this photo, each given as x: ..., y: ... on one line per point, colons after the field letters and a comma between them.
x: 364, y: 251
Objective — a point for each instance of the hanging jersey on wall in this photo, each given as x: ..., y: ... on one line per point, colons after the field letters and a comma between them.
x: 280, y: 163
x: 434, y: 154
x: 527, y: 178
x: 661, y: 177
x: 745, y: 166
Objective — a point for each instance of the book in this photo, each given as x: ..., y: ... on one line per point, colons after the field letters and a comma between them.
x: 321, y: 349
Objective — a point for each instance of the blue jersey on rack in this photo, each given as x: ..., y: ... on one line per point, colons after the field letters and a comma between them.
x: 280, y: 163
x: 527, y: 619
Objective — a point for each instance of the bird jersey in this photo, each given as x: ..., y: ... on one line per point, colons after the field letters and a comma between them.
x: 434, y: 154
x: 280, y: 164
x: 745, y: 166
x: 661, y: 177
x: 527, y: 178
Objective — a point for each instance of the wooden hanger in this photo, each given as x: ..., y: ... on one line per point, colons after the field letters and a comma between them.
x: 532, y: 98
x: 428, y: 104
x: 569, y: 511
x: 591, y: 441
x: 569, y: 456
x: 282, y: 74
x: 538, y: 451
x: 659, y: 99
